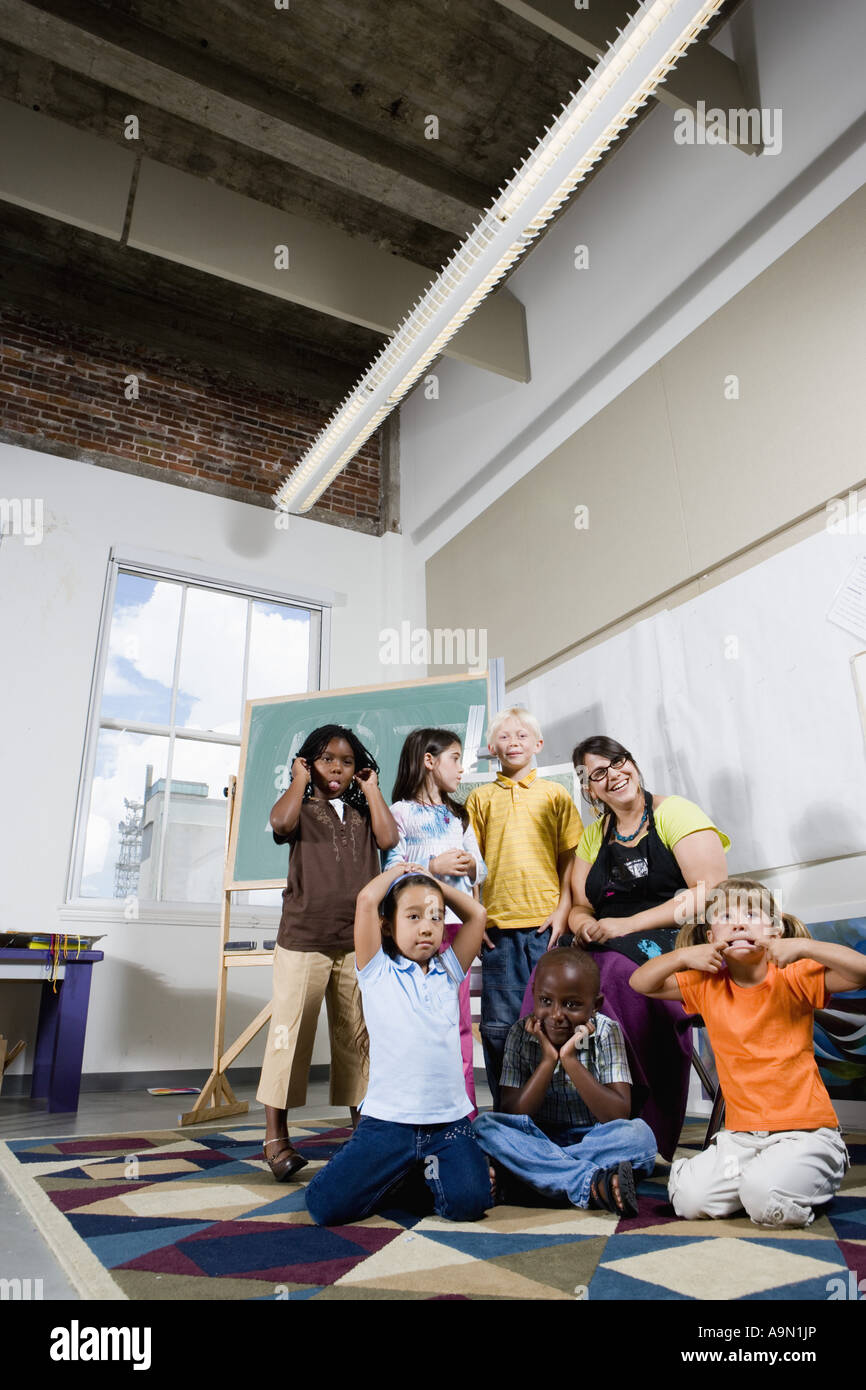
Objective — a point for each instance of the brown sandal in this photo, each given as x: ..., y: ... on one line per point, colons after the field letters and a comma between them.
x: 286, y: 1162
x: 603, y: 1194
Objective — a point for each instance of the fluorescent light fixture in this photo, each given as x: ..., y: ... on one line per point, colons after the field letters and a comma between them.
x: 653, y: 41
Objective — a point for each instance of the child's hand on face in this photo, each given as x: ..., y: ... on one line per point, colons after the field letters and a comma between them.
x: 535, y: 1030
x: 367, y: 779
x: 301, y: 771
x: 783, y: 950
x: 706, y: 957
x: 581, y: 1034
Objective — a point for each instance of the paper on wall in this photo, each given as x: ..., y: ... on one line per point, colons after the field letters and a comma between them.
x: 848, y: 609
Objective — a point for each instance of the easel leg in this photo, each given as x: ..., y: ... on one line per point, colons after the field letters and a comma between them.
x: 217, y: 1100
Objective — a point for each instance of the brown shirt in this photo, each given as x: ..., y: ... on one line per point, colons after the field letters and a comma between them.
x: 329, y: 863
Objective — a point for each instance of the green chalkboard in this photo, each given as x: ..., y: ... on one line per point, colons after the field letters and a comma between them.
x: 561, y: 773
x: 381, y: 716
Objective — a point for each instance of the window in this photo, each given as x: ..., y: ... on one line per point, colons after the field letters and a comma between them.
x: 179, y: 657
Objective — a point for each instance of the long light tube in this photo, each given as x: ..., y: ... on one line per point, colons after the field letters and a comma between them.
x: 653, y: 41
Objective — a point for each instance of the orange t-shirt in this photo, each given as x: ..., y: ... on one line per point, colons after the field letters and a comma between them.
x: 762, y: 1041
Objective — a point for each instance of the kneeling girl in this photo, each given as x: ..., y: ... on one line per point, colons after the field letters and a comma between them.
x: 415, y: 1112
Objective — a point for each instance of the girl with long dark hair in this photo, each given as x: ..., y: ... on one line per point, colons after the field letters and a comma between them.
x: 415, y: 1120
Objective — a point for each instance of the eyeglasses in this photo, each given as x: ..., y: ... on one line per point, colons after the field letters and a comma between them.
x: 601, y: 772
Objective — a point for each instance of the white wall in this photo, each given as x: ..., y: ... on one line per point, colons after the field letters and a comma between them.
x: 743, y: 700
x: 152, y: 1003
x: 674, y: 232
x: 678, y: 475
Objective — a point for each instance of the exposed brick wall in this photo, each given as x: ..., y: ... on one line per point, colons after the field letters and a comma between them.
x: 65, y: 384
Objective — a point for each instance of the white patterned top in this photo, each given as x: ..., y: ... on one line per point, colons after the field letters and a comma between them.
x: 427, y: 830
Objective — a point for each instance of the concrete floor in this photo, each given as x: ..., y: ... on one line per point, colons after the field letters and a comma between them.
x: 23, y: 1252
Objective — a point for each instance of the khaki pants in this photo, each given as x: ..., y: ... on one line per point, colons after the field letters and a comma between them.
x: 302, y: 979
x: 777, y: 1177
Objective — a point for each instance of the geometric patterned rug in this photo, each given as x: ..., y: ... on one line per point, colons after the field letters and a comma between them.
x: 180, y: 1214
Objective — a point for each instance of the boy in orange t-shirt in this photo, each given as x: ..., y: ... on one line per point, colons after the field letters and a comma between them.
x: 756, y: 982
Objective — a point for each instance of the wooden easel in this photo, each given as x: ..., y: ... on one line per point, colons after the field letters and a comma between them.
x: 217, y: 1100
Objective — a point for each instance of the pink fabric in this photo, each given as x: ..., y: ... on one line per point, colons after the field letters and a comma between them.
x: 466, y: 1040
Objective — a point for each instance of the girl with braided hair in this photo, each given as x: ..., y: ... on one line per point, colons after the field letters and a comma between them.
x: 334, y: 818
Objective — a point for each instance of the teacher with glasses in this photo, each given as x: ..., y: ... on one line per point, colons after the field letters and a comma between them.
x: 640, y: 872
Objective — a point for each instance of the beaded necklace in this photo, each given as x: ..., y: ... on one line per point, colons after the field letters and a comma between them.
x: 625, y: 839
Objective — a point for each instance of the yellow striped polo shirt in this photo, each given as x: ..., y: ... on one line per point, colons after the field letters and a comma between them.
x: 522, y: 829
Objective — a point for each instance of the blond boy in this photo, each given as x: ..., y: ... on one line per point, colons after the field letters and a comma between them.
x: 527, y: 830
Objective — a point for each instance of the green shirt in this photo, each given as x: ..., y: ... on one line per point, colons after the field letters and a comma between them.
x: 675, y: 817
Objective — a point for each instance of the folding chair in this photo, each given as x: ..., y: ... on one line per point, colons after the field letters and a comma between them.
x: 712, y: 1088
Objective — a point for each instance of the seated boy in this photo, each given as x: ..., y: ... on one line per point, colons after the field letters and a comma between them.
x: 563, y: 1127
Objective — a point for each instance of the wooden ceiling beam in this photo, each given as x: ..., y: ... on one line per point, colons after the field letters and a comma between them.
x: 704, y: 74
x: 199, y: 224
x: 50, y: 169
x: 130, y: 58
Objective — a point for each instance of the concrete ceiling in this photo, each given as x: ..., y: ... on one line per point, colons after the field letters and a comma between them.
x: 319, y: 111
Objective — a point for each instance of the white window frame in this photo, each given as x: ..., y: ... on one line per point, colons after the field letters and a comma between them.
x: 77, y: 908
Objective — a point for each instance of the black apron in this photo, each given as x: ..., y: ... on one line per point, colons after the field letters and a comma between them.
x: 627, y: 879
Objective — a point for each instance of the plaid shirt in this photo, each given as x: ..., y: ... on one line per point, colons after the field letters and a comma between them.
x: 605, y: 1059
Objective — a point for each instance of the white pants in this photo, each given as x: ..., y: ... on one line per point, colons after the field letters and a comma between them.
x: 778, y: 1177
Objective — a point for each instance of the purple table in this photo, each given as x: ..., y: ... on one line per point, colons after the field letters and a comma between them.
x: 62, y: 1024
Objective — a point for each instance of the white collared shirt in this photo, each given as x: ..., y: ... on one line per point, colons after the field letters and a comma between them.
x: 412, y: 1017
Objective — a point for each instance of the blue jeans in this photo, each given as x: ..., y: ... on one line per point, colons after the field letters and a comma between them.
x: 564, y: 1162
x: 381, y: 1152
x: 505, y: 973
